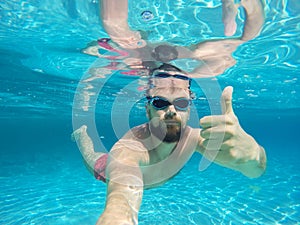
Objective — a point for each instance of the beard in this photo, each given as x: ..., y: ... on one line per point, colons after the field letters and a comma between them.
x: 168, y: 133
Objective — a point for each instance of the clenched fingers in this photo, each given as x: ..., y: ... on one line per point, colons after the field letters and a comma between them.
x: 220, y: 132
x: 211, y: 121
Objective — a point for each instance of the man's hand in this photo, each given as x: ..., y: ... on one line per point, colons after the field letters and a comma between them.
x: 124, y: 36
x: 225, y: 142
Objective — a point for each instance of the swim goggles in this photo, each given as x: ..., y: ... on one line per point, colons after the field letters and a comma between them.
x: 177, y: 76
x: 166, y: 75
x: 161, y: 103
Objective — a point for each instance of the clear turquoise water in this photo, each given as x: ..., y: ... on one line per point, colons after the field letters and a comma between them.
x: 43, y: 178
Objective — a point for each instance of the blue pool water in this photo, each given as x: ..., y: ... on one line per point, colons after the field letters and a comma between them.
x: 42, y: 177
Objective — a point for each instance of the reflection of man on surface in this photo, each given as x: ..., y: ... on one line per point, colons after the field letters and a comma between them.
x: 152, y: 153
x: 214, y: 55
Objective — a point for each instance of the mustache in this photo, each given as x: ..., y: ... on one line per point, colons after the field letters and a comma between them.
x: 171, y: 117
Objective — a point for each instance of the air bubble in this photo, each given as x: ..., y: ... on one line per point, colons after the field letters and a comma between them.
x: 147, y: 15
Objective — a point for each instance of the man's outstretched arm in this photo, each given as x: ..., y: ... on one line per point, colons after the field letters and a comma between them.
x: 122, y: 174
x: 125, y: 182
x: 114, y: 16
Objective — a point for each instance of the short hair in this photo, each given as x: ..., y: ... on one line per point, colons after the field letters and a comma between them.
x: 166, y: 67
x: 164, y: 53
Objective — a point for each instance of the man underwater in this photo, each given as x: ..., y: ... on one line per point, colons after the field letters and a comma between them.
x: 150, y: 154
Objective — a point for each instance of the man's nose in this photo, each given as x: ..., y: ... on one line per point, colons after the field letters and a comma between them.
x: 171, y: 112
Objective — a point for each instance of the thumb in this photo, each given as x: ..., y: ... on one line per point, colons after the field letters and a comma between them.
x: 226, y: 100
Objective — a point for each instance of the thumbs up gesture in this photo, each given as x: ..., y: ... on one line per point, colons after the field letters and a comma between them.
x: 224, y: 141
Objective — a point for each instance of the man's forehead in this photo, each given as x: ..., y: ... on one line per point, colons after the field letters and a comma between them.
x: 170, y: 82
x: 169, y: 86
x: 169, y: 92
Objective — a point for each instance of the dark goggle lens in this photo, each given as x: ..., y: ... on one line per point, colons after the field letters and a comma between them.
x: 179, y: 104
x: 166, y: 75
x: 181, y: 77
x: 160, y: 103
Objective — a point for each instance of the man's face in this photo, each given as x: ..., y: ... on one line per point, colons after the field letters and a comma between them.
x: 168, y: 123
